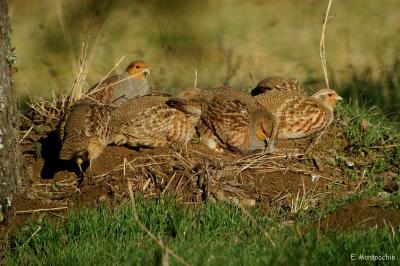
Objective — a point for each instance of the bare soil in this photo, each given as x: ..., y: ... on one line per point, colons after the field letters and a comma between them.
x: 364, y: 213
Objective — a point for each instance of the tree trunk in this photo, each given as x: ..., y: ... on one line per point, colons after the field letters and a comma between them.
x: 10, y: 157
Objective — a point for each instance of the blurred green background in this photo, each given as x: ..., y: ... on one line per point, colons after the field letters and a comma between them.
x: 229, y: 42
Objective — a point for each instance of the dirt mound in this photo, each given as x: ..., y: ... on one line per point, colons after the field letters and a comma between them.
x: 191, y: 173
x: 359, y: 214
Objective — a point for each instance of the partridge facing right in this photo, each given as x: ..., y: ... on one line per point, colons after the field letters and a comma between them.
x: 231, y: 119
x: 298, y: 115
x: 120, y: 88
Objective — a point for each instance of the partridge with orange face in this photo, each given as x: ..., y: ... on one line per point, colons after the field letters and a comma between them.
x: 298, y: 115
x: 120, y: 88
x: 232, y: 120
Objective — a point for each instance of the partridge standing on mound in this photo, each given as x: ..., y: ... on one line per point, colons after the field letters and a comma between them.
x: 298, y: 115
x: 147, y: 121
x: 231, y: 119
x: 84, y: 131
x: 120, y: 88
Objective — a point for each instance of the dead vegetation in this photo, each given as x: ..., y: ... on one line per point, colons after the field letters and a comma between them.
x: 194, y: 174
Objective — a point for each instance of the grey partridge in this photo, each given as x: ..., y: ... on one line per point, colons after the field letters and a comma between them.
x: 118, y: 89
x: 298, y: 115
x: 144, y: 121
x: 231, y: 119
x: 84, y: 131
x: 147, y: 121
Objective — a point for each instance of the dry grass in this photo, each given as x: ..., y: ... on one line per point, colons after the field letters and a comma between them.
x: 98, y: 87
x: 51, y: 111
x: 194, y: 175
x: 322, y: 45
x: 324, y: 67
x: 303, y: 200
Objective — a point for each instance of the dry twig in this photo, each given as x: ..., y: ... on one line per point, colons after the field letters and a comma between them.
x: 40, y: 210
x: 322, y: 44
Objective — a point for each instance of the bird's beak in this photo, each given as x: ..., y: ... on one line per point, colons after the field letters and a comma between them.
x: 146, y: 71
x: 339, y: 98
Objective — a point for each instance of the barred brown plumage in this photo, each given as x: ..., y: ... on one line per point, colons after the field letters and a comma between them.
x: 148, y: 121
x: 298, y: 115
x: 144, y: 121
x: 84, y: 132
x: 231, y: 119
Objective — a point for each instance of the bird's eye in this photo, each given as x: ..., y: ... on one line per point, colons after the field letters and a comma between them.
x: 137, y: 67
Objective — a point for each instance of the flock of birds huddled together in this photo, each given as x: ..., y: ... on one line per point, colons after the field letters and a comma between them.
x: 121, y: 110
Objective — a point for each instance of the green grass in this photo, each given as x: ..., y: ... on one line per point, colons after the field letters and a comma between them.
x: 213, y: 234
x: 380, y: 131
x: 375, y: 150
x: 380, y: 142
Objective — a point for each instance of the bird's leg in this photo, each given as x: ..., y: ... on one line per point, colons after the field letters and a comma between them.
x: 218, y: 148
x: 210, y: 140
x: 270, y: 146
x: 89, y: 175
x: 94, y: 149
x: 80, y: 168
x: 79, y: 162
x: 212, y: 143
